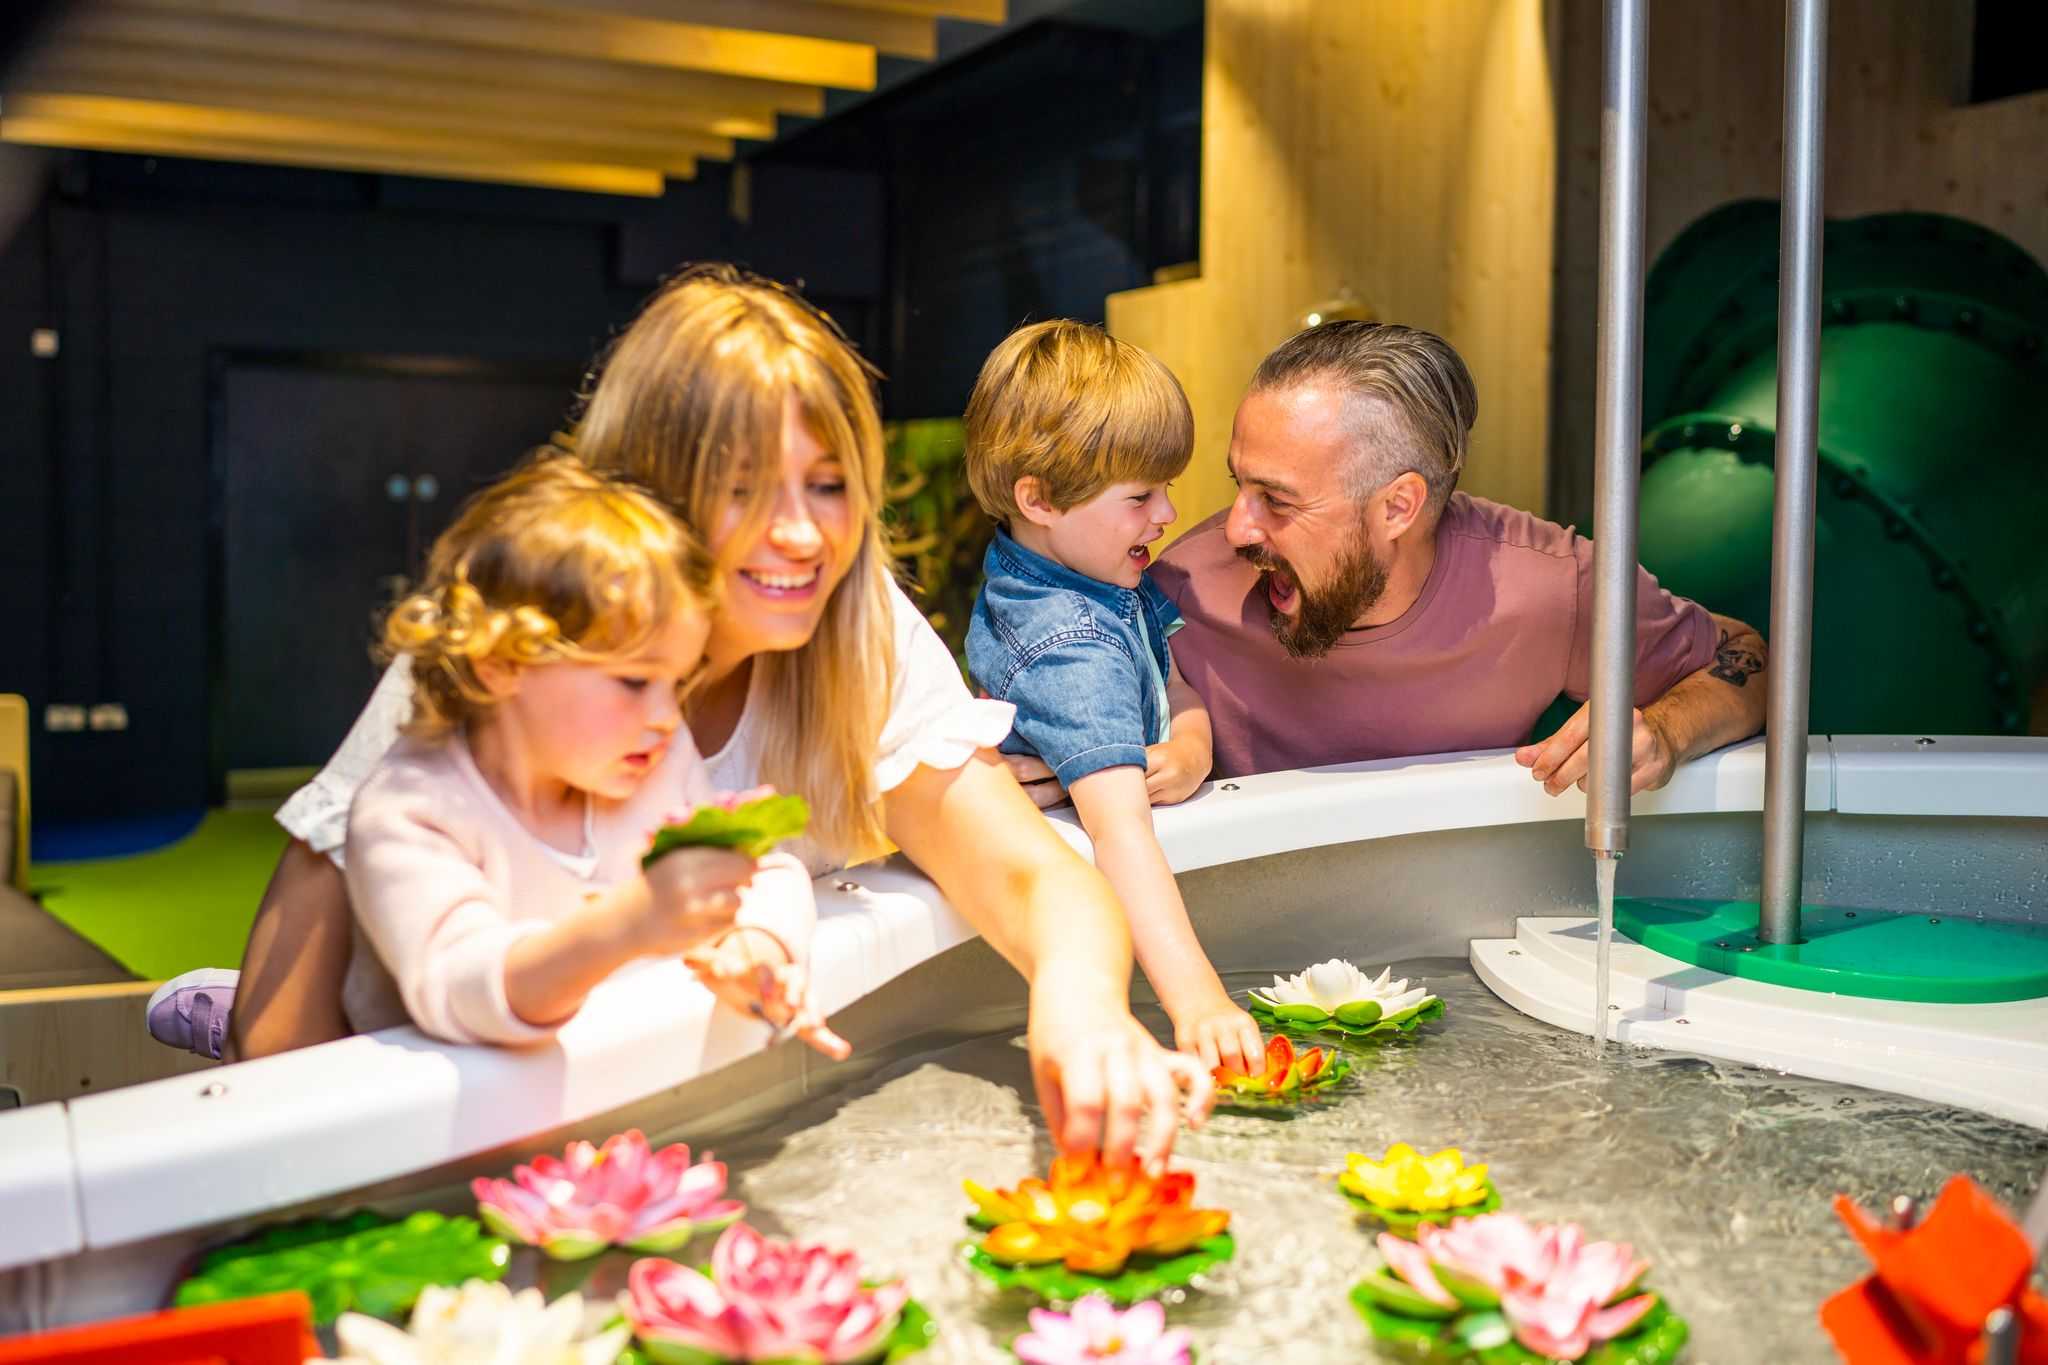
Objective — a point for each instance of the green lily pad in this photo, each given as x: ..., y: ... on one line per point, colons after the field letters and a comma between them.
x: 1255, y: 1099
x: 915, y: 1330
x: 1483, y: 1331
x: 1143, y: 1277
x: 752, y: 827
x: 1389, y: 1291
x: 1403, y: 1222
x: 1407, y: 1021
x: 363, y: 1263
x: 1475, y: 1336
x: 1359, y: 1013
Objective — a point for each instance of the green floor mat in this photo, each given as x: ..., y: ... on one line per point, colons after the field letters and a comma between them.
x: 186, y: 905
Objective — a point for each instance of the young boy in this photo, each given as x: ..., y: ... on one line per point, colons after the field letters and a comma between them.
x: 1072, y: 436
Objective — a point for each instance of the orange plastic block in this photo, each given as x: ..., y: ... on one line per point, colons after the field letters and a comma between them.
x: 276, y: 1329
x: 1934, y: 1284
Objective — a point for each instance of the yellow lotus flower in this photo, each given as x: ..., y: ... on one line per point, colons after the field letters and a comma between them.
x: 1405, y: 1179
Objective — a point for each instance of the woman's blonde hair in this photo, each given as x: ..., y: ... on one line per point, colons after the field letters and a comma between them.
x: 553, y: 563
x: 1071, y: 406
x: 689, y: 401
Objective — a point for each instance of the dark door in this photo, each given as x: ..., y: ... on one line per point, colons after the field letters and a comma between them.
x: 334, y: 478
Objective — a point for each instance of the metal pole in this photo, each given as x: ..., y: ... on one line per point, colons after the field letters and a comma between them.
x: 1618, y: 430
x: 1799, y: 251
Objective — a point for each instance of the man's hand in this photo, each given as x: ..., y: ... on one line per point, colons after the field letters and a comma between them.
x: 1107, y: 1085
x: 1562, y: 760
x: 1175, y: 770
x: 1036, y: 779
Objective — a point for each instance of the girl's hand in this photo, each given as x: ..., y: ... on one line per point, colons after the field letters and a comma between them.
x: 750, y: 973
x: 693, y: 894
x: 1220, y: 1034
x: 1175, y: 770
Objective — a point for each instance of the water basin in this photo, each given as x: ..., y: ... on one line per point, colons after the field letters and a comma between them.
x: 1721, y: 1174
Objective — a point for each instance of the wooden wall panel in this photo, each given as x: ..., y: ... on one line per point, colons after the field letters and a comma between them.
x: 1404, y: 153
x: 1898, y: 137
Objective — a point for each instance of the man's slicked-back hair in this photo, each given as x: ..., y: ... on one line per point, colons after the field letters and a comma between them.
x: 1410, y: 400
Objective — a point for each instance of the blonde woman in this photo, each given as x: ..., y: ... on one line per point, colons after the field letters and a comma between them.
x: 749, y: 412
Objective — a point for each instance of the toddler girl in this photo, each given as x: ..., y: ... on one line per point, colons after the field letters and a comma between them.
x: 493, y: 857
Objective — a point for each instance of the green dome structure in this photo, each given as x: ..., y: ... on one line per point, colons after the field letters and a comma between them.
x: 1930, y: 579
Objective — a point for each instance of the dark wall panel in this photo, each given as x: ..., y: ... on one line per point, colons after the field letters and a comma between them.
x: 150, y: 268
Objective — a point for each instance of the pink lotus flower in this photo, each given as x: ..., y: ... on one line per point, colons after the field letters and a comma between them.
x: 763, y: 1300
x: 618, y: 1194
x: 1095, y: 1333
x: 1557, y: 1290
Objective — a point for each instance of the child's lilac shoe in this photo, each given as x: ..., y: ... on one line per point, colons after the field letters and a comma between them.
x: 191, y: 1011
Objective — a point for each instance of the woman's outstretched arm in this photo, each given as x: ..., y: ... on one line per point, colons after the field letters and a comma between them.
x: 1102, y: 1079
x: 290, y: 992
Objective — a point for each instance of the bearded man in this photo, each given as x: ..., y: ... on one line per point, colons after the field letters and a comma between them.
x: 1352, y: 605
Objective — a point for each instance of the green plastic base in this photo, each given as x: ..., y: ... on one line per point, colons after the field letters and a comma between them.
x: 1881, y: 954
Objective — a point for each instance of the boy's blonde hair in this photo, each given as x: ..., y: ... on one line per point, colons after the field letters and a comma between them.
x: 1073, y: 407
x: 689, y: 401
x: 554, y: 563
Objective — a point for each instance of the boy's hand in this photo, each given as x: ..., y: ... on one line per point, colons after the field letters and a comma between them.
x: 1220, y: 1034
x: 1175, y: 770
x: 693, y: 894
x: 749, y: 973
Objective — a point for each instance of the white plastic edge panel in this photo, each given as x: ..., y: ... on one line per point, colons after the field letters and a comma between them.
x: 1941, y: 775
x: 199, y: 1148
x: 1988, y: 1057
x: 38, y: 1192
x: 1251, y: 817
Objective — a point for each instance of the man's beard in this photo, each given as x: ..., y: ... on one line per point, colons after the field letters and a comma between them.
x: 1323, y: 614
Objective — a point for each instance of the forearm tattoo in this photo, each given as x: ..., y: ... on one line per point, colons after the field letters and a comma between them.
x: 1735, y: 661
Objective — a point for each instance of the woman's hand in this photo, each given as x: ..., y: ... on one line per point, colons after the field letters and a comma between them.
x: 750, y: 972
x: 692, y: 896
x: 1106, y: 1084
x: 1101, y: 1078
x: 1221, y: 1034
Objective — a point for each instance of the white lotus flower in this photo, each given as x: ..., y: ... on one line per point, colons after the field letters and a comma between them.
x: 485, y: 1324
x: 1327, y: 985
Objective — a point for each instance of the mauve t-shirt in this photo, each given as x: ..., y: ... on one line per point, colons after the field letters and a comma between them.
x: 1504, y: 624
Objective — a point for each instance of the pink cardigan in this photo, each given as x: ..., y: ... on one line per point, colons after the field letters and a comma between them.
x: 444, y: 879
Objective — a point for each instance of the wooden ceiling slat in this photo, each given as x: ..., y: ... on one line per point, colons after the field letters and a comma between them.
x: 110, y: 68
x: 115, y: 22
x: 299, y: 130
x: 624, y: 40
x: 587, y: 141
x: 902, y: 35
x: 84, y: 136
x: 981, y: 11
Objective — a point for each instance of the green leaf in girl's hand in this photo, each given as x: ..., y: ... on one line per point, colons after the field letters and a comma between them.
x: 752, y: 827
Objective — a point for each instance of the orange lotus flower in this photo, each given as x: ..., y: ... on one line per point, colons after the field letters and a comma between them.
x: 1093, y: 1217
x: 1286, y: 1072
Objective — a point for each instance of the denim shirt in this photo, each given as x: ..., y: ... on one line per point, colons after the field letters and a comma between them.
x: 1070, y: 652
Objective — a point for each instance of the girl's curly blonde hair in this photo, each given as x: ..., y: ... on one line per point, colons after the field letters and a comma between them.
x: 553, y: 563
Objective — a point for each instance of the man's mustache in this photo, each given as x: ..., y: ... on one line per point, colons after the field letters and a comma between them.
x: 1260, y: 560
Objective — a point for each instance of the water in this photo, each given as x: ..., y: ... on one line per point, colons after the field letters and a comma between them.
x: 1603, y: 953
x: 1720, y: 1174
